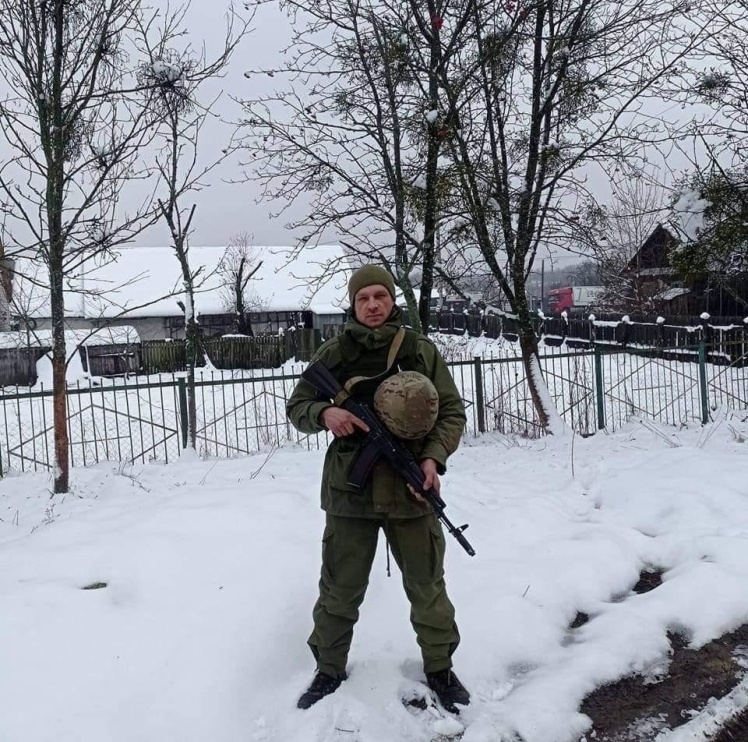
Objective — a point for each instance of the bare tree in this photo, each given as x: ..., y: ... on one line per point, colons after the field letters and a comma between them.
x: 613, y: 233
x: 238, y: 265
x: 74, y: 123
x: 176, y: 75
x: 357, y: 133
x: 721, y: 82
x: 548, y: 93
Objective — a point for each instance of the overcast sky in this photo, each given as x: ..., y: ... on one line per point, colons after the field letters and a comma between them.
x: 227, y: 208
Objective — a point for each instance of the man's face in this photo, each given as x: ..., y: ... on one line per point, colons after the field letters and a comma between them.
x: 373, y: 305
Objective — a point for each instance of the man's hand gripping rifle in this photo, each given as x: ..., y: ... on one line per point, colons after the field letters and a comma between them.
x: 380, y: 442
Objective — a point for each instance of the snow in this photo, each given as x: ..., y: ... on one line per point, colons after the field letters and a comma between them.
x: 671, y: 293
x: 211, y: 569
x: 73, y: 338
x: 717, y: 712
x: 147, y: 282
x: 166, y: 71
x: 432, y: 116
x: 44, y: 371
x: 74, y: 373
x: 688, y: 214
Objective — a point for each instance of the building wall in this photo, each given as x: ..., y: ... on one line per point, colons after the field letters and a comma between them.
x: 148, y: 328
x: 328, y: 324
x: 159, y: 328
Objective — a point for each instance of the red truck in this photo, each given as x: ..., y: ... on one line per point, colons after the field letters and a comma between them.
x: 561, y: 300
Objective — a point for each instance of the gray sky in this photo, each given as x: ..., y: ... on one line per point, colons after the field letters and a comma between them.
x: 225, y: 209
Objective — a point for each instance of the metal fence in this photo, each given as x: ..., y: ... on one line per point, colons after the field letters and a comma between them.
x: 244, y: 412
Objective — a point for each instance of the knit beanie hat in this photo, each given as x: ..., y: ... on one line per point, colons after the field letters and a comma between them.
x: 369, y: 275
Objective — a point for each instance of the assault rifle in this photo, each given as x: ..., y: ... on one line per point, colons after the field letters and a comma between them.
x: 380, y: 442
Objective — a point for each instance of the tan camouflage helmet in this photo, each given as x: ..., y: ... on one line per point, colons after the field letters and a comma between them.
x: 408, y: 404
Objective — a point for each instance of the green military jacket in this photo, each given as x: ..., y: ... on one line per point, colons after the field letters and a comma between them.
x: 362, y: 351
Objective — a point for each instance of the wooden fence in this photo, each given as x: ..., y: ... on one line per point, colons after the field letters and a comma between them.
x: 725, y: 335
x: 18, y: 365
x: 728, y: 336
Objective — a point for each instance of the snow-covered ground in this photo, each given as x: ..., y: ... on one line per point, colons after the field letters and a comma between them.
x: 211, y: 569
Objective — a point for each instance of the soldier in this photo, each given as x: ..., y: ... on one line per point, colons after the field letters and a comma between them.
x: 428, y: 414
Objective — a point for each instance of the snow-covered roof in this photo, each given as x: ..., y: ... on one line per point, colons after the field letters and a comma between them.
x: 146, y: 282
x: 120, y: 335
x: 659, y: 271
x: 672, y: 293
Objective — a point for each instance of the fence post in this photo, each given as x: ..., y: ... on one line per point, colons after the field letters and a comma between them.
x: 182, y: 390
x: 599, y: 391
x: 479, y: 394
x: 702, y: 383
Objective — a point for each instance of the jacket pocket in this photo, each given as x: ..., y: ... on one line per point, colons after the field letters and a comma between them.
x: 343, y: 459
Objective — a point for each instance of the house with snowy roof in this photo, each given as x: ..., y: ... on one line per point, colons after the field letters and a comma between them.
x: 142, y: 288
x: 657, y: 280
x: 651, y: 271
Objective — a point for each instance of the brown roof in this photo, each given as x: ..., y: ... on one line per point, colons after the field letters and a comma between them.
x: 654, y: 252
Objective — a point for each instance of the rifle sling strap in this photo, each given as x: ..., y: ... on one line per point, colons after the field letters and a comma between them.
x: 344, y: 393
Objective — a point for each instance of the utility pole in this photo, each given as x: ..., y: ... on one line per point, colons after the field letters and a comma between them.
x: 542, y: 284
x: 6, y: 288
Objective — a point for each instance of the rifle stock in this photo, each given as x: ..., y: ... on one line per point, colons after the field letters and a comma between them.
x: 380, y: 442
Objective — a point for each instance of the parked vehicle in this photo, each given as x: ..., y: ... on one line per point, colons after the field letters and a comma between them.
x: 563, y: 299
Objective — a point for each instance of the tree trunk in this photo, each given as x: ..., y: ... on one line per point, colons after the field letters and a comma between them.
x: 413, y: 313
x: 436, y: 133
x: 528, y: 344
x: 6, y: 288
x: 192, y: 331
x: 59, y: 388
x: 548, y: 417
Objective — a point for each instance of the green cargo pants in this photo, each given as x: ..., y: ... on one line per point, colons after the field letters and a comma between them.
x: 348, y: 548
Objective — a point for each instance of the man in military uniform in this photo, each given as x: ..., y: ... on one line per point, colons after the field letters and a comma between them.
x: 373, y: 347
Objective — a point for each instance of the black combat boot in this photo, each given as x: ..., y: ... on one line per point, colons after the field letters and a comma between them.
x: 449, y: 690
x: 322, y: 685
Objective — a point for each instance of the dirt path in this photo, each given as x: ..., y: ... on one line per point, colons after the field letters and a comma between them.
x: 636, y: 709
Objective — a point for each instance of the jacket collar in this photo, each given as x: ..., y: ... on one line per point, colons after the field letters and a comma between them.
x: 372, y: 338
